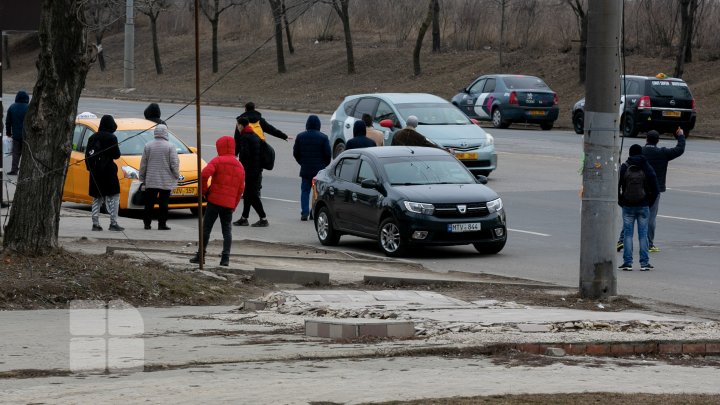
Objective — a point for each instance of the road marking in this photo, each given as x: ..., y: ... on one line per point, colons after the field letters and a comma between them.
x: 280, y: 199
x: 528, y: 232
x: 694, y: 191
x: 705, y: 221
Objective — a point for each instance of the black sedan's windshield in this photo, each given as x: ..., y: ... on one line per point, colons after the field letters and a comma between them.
x: 426, y: 170
x: 434, y: 113
x: 132, y: 141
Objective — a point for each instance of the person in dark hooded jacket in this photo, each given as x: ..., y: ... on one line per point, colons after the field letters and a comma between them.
x: 252, y: 115
x: 247, y: 148
x: 101, y: 151
x: 636, y: 203
x: 359, y: 139
x: 312, y: 152
x: 14, y: 127
x: 152, y: 113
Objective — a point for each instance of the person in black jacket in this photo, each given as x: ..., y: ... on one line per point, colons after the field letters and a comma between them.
x: 408, y: 136
x: 252, y: 115
x: 312, y: 152
x: 152, y: 113
x: 359, y: 139
x: 247, y: 146
x: 636, y: 203
x: 101, y: 151
x: 14, y: 127
x: 658, y: 159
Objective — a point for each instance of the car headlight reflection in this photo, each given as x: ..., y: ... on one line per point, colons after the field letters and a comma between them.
x: 495, y: 205
x: 130, y: 172
x: 490, y: 140
x: 420, y: 208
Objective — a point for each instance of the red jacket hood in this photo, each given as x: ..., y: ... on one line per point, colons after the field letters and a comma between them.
x: 225, y: 146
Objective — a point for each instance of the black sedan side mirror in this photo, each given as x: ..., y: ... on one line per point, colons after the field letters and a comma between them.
x: 481, y: 179
x: 369, y: 183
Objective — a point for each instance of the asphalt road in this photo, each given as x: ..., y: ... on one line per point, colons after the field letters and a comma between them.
x: 539, y: 181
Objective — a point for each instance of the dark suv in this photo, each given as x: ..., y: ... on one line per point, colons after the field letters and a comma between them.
x: 660, y: 103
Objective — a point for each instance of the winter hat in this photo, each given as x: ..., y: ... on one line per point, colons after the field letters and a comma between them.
x: 359, y: 129
x: 635, y: 150
x: 652, y: 137
x: 412, y: 121
x: 107, y: 124
x: 161, y: 131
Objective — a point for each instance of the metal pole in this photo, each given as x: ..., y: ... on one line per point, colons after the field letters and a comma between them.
x: 598, y: 278
x: 129, y: 65
x: 2, y: 111
x: 201, y: 244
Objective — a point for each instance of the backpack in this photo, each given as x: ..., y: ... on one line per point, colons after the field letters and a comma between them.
x: 634, y: 185
x: 267, y: 155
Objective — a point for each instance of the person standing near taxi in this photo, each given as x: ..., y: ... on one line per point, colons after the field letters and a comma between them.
x: 159, y: 172
x: 100, y: 153
x: 312, y: 152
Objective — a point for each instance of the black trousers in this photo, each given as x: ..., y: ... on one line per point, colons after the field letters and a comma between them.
x: 251, y: 196
x: 162, y: 197
x: 212, y: 212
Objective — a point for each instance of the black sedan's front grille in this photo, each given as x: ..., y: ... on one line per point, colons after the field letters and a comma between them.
x: 454, y: 210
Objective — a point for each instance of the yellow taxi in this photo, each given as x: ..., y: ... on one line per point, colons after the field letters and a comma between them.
x: 132, y: 135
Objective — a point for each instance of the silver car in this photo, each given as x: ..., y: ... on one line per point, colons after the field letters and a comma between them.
x: 439, y: 121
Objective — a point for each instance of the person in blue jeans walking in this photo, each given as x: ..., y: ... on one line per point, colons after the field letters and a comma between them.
x: 637, y: 192
x: 312, y: 152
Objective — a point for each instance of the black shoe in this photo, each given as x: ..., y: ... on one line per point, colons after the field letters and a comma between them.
x: 116, y: 228
x: 163, y: 228
x: 303, y: 218
x: 12, y: 173
x: 647, y: 267
x: 262, y: 223
x: 97, y: 228
x: 196, y: 259
x: 225, y: 260
x: 147, y: 226
x: 625, y: 267
x: 241, y: 222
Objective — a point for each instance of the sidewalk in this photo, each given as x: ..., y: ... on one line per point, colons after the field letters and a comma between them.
x: 296, y: 346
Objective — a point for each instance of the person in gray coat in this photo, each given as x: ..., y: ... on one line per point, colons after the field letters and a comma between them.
x: 159, y: 171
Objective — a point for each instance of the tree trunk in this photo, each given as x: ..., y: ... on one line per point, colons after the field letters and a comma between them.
x: 582, y: 54
x: 421, y: 35
x: 6, y: 54
x: 277, y: 22
x: 684, y: 34
x: 345, y: 17
x: 291, y: 49
x: 156, y: 48
x: 692, y: 14
x: 436, y: 26
x: 35, y: 214
x: 214, y: 24
x: 502, y: 32
x: 100, y: 53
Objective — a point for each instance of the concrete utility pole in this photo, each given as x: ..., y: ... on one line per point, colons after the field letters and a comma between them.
x: 600, y: 167
x: 129, y: 65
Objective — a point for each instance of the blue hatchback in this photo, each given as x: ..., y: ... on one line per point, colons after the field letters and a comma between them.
x: 504, y: 99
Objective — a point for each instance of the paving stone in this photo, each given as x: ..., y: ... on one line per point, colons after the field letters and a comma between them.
x: 292, y: 276
x: 533, y: 328
x: 554, y: 351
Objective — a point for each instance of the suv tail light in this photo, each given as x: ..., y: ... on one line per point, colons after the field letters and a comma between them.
x: 555, y: 99
x: 513, y: 98
x: 693, y: 104
x: 644, y: 102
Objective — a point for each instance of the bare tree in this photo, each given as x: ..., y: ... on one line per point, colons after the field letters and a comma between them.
x: 100, y: 16
x: 212, y: 10
x: 421, y: 35
x: 503, y: 5
x: 152, y: 9
x: 35, y: 214
x: 291, y: 49
x: 580, y: 9
x: 6, y: 54
x: 436, y: 26
x: 276, y: 6
x: 688, y: 12
x: 341, y: 8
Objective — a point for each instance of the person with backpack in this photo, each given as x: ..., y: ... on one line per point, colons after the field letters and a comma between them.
x: 253, y: 116
x: 312, y: 152
x: 100, y: 153
x: 248, y: 150
x: 637, y: 192
x: 658, y: 159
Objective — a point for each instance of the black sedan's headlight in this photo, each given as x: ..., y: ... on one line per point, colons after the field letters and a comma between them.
x: 419, y: 208
x: 495, y: 205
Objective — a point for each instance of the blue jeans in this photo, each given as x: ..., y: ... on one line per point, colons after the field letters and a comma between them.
x: 651, y: 223
x: 305, y: 187
x: 642, y: 216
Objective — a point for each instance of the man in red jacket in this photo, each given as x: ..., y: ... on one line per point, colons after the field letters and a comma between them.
x: 223, y: 195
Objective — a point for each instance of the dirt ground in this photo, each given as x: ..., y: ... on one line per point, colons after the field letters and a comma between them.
x: 317, y: 80
x: 565, y: 399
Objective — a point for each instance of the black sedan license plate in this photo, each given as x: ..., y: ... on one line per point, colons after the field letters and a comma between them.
x: 468, y: 227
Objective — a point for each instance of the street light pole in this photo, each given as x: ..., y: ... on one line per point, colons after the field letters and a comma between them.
x: 129, y: 64
x: 598, y: 278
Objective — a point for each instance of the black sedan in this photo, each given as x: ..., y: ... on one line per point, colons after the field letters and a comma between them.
x: 504, y: 99
x: 406, y: 196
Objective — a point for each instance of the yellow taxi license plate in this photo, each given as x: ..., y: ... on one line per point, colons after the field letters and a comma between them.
x: 467, y: 155
x: 671, y: 113
x: 184, y: 191
x: 537, y: 112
